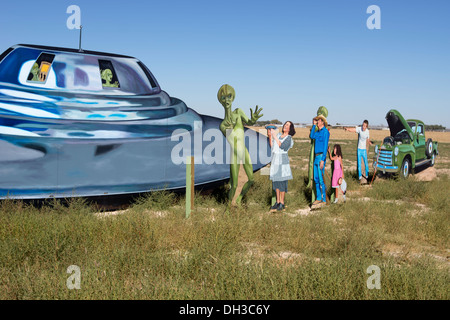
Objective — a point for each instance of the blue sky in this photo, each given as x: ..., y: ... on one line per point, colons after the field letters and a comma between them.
x: 288, y: 57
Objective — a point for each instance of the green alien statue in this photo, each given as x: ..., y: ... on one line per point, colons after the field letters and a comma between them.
x: 232, y: 128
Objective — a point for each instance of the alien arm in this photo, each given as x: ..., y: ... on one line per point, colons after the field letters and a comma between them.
x: 254, y: 116
x: 244, y: 117
x: 226, y: 124
x: 223, y: 128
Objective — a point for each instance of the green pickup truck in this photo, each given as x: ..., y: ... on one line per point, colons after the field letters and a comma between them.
x: 406, y: 148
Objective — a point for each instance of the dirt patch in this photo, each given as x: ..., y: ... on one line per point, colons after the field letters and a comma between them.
x: 288, y: 258
x: 407, y: 253
x: 110, y: 213
x: 428, y: 174
x: 157, y: 214
x: 300, y: 212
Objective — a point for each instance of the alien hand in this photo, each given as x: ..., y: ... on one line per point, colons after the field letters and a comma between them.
x: 255, y: 116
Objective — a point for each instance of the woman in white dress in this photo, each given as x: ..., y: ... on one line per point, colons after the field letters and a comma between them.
x: 280, y: 170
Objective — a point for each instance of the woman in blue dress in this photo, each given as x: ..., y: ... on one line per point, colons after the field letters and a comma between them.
x: 280, y: 170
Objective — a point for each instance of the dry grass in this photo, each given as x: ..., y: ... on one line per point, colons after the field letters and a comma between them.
x: 151, y: 251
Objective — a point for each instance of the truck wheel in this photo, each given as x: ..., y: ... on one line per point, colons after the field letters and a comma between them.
x: 429, y: 148
x: 433, y: 159
x: 406, y: 168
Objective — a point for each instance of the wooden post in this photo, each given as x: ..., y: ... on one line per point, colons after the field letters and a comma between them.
x: 190, y: 178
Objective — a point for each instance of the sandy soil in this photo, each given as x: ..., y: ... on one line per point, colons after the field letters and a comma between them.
x: 428, y: 174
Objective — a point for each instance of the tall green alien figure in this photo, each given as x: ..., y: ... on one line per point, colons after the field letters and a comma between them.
x: 232, y: 128
x: 321, y: 111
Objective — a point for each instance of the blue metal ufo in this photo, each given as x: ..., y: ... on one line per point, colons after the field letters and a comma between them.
x: 89, y: 123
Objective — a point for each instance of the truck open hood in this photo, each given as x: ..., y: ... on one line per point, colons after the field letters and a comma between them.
x: 397, y: 123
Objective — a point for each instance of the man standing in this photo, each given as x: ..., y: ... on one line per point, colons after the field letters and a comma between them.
x: 320, y: 138
x: 363, y: 137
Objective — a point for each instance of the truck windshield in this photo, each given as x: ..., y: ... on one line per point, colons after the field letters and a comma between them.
x: 402, y: 136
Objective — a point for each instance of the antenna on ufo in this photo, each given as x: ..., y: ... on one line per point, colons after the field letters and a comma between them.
x: 79, y: 49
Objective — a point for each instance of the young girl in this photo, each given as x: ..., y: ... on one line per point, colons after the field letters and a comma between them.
x: 280, y: 171
x: 338, y: 173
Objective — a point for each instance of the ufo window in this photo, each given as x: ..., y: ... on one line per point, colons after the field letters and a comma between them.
x: 40, y: 69
x: 147, y: 73
x: 108, y: 75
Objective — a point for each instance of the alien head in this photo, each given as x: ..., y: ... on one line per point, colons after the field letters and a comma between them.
x: 107, y: 75
x: 35, y: 72
x: 322, y: 111
x: 226, y: 95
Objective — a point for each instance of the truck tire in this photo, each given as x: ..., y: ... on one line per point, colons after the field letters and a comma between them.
x: 429, y: 148
x: 406, y: 168
x: 433, y: 159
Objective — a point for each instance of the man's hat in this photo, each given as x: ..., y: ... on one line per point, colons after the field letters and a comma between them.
x: 323, y: 118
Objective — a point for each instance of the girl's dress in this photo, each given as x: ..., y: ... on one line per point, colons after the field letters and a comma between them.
x: 337, y: 173
x: 280, y: 170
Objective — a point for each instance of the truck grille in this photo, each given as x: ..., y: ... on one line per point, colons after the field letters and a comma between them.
x: 385, y: 157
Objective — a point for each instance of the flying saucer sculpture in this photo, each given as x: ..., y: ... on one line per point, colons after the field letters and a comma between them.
x: 92, y: 124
